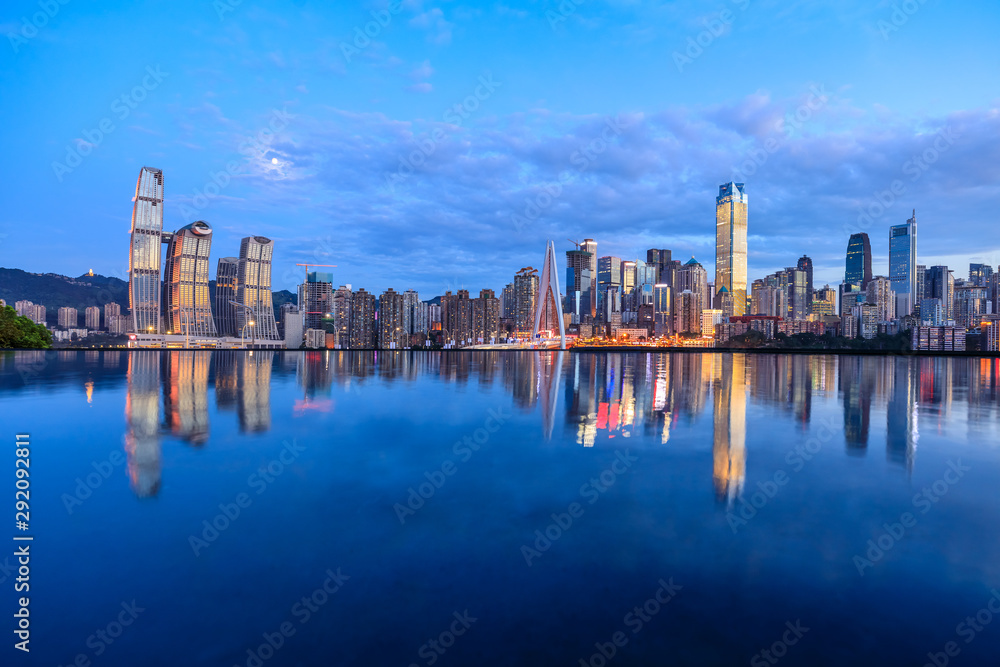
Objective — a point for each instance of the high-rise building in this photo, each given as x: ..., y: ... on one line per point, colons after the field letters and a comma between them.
x: 226, y: 280
x: 392, y: 333
x: 688, y: 317
x: 980, y: 275
x: 508, y: 302
x: 609, y: 280
x: 456, y: 317
x: 859, y: 261
x: 316, y: 295
x: 363, y: 334
x: 879, y: 294
x: 628, y: 276
x: 971, y: 305
x: 254, y: 287
x: 663, y: 310
x: 940, y: 284
x: 111, y: 310
x: 291, y: 321
x: 903, y: 265
x: 693, y: 277
x: 825, y: 301
x: 799, y: 293
x: 579, y: 284
x: 186, y: 306
x: 806, y: 264
x: 661, y: 260
x: 144, y: 251
x: 341, y: 311
x: 731, y: 245
x: 921, y: 282
x: 410, y: 301
x: 68, y: 317
x: 92, y: 318
x: 486, y: 317
x: 526, y: 295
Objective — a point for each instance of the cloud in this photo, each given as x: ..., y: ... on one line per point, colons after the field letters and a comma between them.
x: 420, y: 88
x: 633, y: 182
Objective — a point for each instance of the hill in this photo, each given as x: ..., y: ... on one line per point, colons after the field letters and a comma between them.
x: 55, y: 291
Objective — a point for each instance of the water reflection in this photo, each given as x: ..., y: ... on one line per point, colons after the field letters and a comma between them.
x: 646, y: 398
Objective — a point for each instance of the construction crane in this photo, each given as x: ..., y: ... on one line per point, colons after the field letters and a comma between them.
x: 576, y: 243
x: 332, y: 266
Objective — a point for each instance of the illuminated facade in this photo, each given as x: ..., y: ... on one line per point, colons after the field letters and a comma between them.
x: 526, y: 296
x: 254, y: 288
x: 731, y: 244
x: 187, y: 309
x: 225, y: 293
x: 144, y: 252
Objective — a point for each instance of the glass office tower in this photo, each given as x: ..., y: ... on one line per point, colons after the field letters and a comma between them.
x: 859, y: 261
x: 903, y: 265
x: 225, y: 293
x: 144, y: 253
x: 731, y: 244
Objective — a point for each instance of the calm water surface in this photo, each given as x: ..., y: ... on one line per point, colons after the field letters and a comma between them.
x: 515, y: 508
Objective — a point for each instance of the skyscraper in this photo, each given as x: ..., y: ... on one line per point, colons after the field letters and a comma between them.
x: 68, y: 318
x: 363, y: 320
x: 609, y: 276
x: 92, y: 318
x: 580, y: 283
x: 341, y: 311
x: 940, y: 284
x: 547, y: 307
x: 980, y: 274
x: 526, y: 293
x: 903, y: 265
x: 316, y: 294
x: 144, y: 251
x: 391, y: 333
x: 254, y: 287
x: 226, y: 274
x: 806, y: 264
x: 731, y: 245
x: 859, y: 261
x: 187, y: 309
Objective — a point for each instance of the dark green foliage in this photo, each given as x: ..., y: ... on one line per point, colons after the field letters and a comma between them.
x: 20, y: 332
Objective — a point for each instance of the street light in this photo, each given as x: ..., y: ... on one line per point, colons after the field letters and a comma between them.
x: 250, y: 323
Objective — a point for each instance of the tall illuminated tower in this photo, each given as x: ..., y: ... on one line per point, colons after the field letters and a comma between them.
x: 187, y: 308
x: 144, y: 253
x: 254, y: 288
x: 548, y: 296
x: 731, y: 244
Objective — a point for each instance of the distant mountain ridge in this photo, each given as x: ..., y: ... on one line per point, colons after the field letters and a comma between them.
x: 55, y: 291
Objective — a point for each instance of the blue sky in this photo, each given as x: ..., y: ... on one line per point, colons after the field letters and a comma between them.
x: 615, y: 120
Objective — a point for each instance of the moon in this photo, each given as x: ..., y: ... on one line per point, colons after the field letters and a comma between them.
x: 274, y: 160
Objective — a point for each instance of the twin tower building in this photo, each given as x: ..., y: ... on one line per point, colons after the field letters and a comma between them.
x: 179, y: 303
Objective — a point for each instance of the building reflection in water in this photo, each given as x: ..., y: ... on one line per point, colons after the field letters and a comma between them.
x: 185, y: 395
x: 607, y: 396
x: 729, y: 392
x: 142, y: 420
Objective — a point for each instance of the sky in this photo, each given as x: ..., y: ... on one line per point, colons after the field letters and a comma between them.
x: 438, y: 145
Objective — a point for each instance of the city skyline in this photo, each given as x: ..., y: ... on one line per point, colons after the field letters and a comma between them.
x: 334, y: 152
